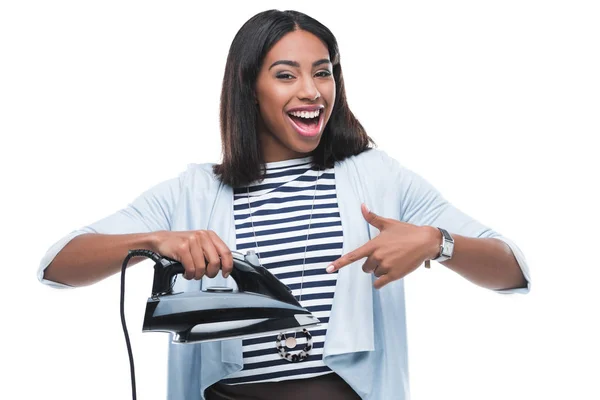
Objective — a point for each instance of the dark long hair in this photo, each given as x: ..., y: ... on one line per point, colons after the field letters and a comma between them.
x: 243, y: 163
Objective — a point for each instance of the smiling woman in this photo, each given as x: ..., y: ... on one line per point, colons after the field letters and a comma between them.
x: 295, y: 97
x: 297, y: 174
x: 281, y: 67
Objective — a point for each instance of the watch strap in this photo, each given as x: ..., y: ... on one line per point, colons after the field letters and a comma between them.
x: 446, y: 248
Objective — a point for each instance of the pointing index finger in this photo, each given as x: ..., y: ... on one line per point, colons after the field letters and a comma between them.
x: 348, y: 258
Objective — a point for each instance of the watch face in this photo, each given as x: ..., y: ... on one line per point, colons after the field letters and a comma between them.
x: 448, y: 249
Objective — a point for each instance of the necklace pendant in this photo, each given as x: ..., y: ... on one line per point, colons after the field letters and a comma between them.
x: 290, y: 342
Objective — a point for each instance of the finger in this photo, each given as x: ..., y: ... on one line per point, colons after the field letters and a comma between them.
x: 363, y: 251
x: 372, y: 218
x: 224, y: 254
x: 370, y: 265
x: 380, y: 271
x: 198, y: 256
x: 381, y: 282
x: 185, y: 256
x: 210, y: 254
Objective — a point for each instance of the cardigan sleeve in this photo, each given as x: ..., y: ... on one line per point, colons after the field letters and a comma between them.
x: 149, y: 212
x: 422, y: 204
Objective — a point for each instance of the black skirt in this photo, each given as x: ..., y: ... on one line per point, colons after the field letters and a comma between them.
x: 329, y: 386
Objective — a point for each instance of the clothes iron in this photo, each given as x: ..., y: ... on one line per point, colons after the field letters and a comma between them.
x: 262, y: 304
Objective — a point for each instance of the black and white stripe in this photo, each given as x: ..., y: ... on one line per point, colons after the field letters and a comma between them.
x: 281, y: 209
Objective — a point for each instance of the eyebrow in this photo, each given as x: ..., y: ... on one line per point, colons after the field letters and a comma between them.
x: 297, y: 65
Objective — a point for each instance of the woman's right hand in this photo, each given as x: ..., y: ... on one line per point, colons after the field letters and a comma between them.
x: 200, y: 252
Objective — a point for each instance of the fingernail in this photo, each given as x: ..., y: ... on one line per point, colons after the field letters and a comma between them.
x: 366, y: 207
x: 330, y: 269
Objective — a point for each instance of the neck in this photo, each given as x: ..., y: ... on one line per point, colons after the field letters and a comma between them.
x: 273, y: 149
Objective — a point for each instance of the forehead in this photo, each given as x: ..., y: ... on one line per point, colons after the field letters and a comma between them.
x: 297, y: 46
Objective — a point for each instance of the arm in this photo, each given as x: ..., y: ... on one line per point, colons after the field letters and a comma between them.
x: 95, y: 252
x: 487, y: 262
x: 91, y: 257
x: 481, y: 255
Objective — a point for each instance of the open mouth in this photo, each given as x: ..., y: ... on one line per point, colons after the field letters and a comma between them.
x: 307, y: 123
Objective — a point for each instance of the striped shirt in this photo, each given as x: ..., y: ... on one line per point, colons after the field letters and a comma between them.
x: 281, y: 207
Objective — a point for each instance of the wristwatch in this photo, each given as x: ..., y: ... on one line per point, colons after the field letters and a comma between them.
x: 446, y: 248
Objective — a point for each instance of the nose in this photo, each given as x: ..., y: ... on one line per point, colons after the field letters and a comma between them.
x: 308, y: 90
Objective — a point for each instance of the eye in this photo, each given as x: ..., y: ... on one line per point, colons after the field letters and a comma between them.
x: 284, y: 76
x: 323, y: 74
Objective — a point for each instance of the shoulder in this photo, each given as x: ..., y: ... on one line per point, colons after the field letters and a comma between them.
x: 199, y: 170
x: 382, y: 173
x: 372, y: 160
x: 193, y: 178
x: 199, y: 177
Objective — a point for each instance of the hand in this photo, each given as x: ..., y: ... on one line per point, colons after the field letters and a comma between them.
x: 200, y: 252
x: 398, y: 250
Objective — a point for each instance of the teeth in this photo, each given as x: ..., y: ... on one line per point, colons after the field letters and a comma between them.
x: 305, y: 114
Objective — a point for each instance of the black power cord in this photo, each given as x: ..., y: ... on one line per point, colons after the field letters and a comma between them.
x: 132, y: 253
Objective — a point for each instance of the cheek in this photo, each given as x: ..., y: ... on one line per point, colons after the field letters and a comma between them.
x: 272, y: 105
x: 275, y: 97
x: 327, y: 90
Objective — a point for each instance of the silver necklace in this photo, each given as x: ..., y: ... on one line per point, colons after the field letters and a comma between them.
x: 290, y: 342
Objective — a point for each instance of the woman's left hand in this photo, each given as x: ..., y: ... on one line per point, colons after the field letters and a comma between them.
x: 397, y: 251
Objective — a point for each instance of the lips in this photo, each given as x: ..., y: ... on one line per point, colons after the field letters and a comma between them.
x: 306, y: 129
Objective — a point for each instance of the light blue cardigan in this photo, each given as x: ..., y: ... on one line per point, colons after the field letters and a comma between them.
x: 366, y: 338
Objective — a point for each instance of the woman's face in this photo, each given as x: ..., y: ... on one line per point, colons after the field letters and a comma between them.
x: 295, y: 91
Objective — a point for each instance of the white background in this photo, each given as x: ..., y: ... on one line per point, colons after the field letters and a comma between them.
x: 496, y: 103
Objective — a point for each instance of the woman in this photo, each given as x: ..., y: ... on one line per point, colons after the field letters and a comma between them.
x: 298, y: 171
